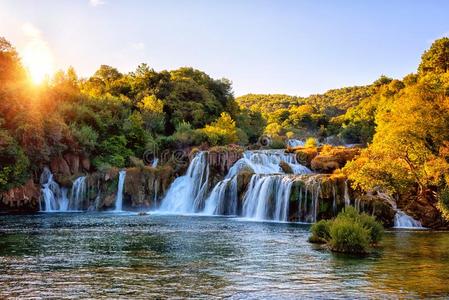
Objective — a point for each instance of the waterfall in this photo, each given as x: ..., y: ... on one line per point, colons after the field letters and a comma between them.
x: 402, y: 220
x: 223, y: 198
x: 78, y: 195
x: 186, y: 194
x: 119, y: 197
x: 308, y: 201
x: 51, y: 192
x: 267, y: 197
x: 64, y: 201
x: 268, y: 162
x: 55, y: 198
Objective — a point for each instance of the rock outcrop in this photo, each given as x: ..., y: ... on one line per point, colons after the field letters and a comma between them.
x: 21, y: 199
x: 324, y: 159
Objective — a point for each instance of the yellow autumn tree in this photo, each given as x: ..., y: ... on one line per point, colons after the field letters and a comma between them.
x: 222, y: 131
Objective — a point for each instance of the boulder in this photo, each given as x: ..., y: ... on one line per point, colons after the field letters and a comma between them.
x: 286, y: 167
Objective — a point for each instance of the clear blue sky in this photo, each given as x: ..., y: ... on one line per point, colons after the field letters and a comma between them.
x: 293, y: 47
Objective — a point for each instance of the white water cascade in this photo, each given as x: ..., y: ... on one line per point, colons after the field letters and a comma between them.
x: 119, y: 197
x: 346, y: 195
x: 78, y: 195
x: 402, y: 220
x: 308, y: 201
x: 259, y: 196
x: 187, y: 193
x: 51, y: 192
x: 267, y: 197
x: 55, y: 198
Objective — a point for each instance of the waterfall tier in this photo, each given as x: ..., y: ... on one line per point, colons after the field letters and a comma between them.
x: 187, y: 193
x: 402, y: 220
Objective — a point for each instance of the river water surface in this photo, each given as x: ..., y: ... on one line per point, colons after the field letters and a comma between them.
x: 82, y: 255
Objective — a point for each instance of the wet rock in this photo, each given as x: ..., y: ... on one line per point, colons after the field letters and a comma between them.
x: 286, y: 167
x: 377, y: 206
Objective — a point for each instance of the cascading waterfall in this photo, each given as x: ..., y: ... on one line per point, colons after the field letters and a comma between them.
x: 51, y: 192
x: 186, y: 194
x: 308, y: 201
x: 402, y: 220
x: 55, y: 198
x: 267, y: 197
x: 78, y: 195
x: 119, y: 197
x: 223, y: 198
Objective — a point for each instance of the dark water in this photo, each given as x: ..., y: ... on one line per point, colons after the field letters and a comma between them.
x: 130, y: 256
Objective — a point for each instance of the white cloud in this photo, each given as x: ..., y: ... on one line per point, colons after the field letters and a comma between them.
x: 96, y: 3
x: 138, y: 46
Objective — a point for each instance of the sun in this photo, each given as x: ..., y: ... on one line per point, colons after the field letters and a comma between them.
x: 36, y: 55
x: 38, y: 61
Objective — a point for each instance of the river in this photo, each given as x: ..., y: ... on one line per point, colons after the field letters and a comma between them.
x: 122, y: 255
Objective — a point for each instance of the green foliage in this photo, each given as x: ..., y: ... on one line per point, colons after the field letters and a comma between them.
x: 320, y: 232
x: 13, y: 162
x: 348, y: 236
x: 349, y: 232
x: 185, y: 135
x: 443, y: 202
x: 85, y: 135
x: 113, y: 152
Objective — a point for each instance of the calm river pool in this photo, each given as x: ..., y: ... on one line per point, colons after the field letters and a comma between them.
x: 105, y: 255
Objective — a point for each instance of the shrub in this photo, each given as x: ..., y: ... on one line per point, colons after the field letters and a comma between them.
x: 320, y: 232
x: 376, y: 229
x: 349, y: 236
x: 349, y: 232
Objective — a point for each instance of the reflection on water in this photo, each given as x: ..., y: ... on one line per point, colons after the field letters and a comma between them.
x: 129, y: 256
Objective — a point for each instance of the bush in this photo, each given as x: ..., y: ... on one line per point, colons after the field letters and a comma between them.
x: 349, y: 232
x: 349, y: 236
x: 320, y: 232
x: 376, y: 229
